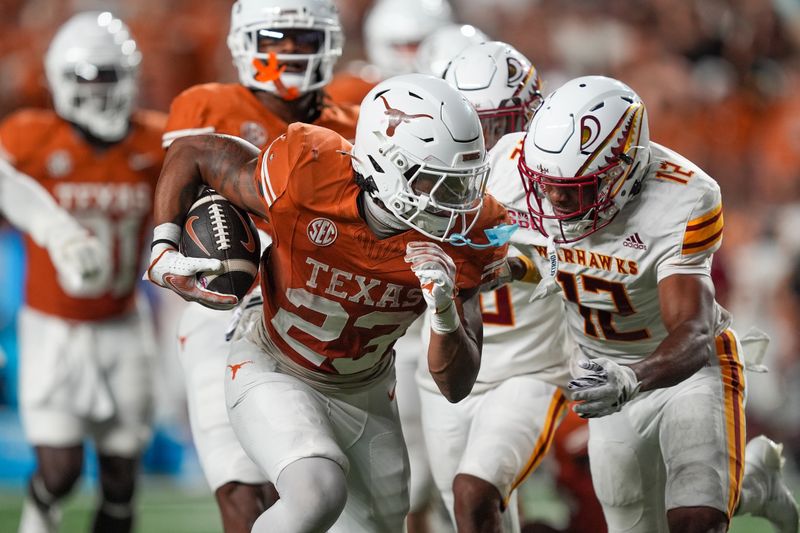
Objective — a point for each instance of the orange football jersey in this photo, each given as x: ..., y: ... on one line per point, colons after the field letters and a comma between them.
x: 348, y: 88
x: 109, y: 192
x: 234, y: 110
x: 335, y: 296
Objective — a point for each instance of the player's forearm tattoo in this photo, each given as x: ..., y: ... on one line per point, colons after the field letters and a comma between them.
x: 187, y: 196
x: 230, y: 171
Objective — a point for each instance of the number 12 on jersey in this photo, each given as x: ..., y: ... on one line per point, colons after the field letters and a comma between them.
x: 605, y: 319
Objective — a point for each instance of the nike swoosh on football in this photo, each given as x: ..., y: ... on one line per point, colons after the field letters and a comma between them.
x: 193, y: 235
x: 250, y: 245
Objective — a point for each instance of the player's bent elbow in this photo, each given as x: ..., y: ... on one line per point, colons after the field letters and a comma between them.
x: 185, y: 146
x: 453, y: 392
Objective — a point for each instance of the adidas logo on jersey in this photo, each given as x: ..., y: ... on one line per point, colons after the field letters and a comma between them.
x: 634, y: 241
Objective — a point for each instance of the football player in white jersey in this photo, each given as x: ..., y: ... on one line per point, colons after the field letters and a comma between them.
x: 445, y: 43
x: 632, y: 228
x: 483, y: 447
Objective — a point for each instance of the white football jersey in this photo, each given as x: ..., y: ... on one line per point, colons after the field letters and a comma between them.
x: 519, y: 336
x: 610, y: 278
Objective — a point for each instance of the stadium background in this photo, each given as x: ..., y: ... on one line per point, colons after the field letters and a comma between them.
x: 720, y: 79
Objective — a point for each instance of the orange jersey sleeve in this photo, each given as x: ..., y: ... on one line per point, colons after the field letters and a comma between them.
x: 341, y: 118
x: 192, y: 113
x: 347, y: 88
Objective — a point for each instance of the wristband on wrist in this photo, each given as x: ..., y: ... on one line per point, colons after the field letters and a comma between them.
x: 166, y: 235
x: 446, y: 321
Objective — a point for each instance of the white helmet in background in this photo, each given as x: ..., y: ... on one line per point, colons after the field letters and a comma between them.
x: 501, y: 83
x: 438, y: 48
x: 590, y: 137
x: 394, y: 29
x: 420, y: 151
x: 312, y: 25
x: 91, y: 66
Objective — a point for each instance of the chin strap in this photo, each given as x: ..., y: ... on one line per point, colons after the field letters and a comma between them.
x: 496, y: 236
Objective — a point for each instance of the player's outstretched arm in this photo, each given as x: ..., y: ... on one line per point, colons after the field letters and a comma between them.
x: 687, y: 308
x: 454, y: 358
x: 223, y: 162
x: 454, y: 352
x: 80, y: 259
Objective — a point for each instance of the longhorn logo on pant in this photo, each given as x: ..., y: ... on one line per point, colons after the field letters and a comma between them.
x: 397, y: 117
x: 235, y: 368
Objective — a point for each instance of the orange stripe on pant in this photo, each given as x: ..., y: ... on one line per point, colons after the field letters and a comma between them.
x: 554, y: 413
x: 733, y: 382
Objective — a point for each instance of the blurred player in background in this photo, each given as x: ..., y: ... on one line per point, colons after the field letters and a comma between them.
x: 481, y: 449
x: 443, y: 44
x: 632, y: 228
x: 284, y: 51
x: 393, y: 31
x: 362, y: 245
x: 86, y: 356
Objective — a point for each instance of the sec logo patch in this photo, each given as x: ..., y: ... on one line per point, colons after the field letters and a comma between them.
x: 322, y: 231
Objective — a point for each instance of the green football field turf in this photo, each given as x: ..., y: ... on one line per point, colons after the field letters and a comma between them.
x: 167, y: 507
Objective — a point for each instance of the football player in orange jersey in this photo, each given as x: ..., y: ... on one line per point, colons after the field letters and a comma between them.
x: 85, y: 358
x: 365, y: 238
x: 299, y: 40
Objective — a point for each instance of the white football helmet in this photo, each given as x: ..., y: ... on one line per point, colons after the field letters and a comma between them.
x: 438, y: 48
x: 311, y: 25
x: 420, y: 152
x: 394, y: 29
x: 590, y: 141
x: 91, y: 66
x: 501, y: 83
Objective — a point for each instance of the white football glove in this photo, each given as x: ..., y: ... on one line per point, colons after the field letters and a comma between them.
x: 604, y: 388
x: 173, y: 270
x: 246, y: 316
x: 437, y: 273
x: 80, y: 259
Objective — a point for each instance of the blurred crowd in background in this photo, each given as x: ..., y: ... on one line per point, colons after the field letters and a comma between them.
x: 720, y: 79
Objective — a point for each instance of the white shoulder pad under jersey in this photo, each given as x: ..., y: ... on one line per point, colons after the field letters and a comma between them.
x: 504, y: 182
x: 610, y: 279
x: 519, y: 337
